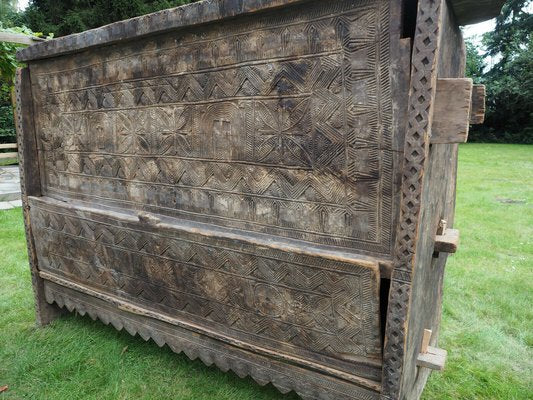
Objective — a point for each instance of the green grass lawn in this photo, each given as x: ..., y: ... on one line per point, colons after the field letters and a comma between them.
x: 9, y: 161
x: 487, y: 319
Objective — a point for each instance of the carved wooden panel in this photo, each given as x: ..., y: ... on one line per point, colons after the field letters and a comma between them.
x: 279, y: 123
x: 309, y: 306
x: 235, y: 178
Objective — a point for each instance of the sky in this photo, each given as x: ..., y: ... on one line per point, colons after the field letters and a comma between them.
x: 23, y: 4
x: 475, y: 31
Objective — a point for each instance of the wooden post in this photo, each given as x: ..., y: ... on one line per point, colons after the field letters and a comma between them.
x: 30, y: 185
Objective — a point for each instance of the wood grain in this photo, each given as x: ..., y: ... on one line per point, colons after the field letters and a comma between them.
x: 434, y: 358
x: 30, y: 185
x: 474, y: 11
x: 477, y: 112
x: 240, y: 179
x: 439, y: 204
x: 448, y: 241
x: 425, y: 341
x: 453, y: 102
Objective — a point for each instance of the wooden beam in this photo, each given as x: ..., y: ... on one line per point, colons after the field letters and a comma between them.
x: 451, y: 115
x: 8, y: 145
x: 477, y: 112
x: 447, y: 242
x: 473, y: 11
x: 19, y: 38
x: 8, y: 155
x: 435, y: 358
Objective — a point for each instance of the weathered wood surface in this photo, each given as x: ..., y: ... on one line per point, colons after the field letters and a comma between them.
x: 439, y: 204
x: 447, y: 242
x: 309, y: 384
x: 434, y: 358
x: 243, y: 189
x: 228, y: 135
x: 477, y: 112
x: 425, y: 340
x: 232, y: 284
x: 453, y: 102
x: 474, y: 11
x: 19, y: 38
x: 30, y: 184
x: 409, y: 244
x: 202, y: 12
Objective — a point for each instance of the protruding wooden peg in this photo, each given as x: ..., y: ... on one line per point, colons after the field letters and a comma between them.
x: 430, y: 357
x: 435, y: 358
x: 451, y: 115
x: 425, y: 341
x: 447, y: 242
x: 442, y: 227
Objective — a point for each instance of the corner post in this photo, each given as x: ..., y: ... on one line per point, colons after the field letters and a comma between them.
x: 30, y: 185
x: 422, y: 91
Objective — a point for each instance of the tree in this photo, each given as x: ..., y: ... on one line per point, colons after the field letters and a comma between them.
x: 475, y: 62
x: 512, y: 34
x: 8, y: 10
x: 8, y: 66
x: 510, y: 80
x: 71, y: 16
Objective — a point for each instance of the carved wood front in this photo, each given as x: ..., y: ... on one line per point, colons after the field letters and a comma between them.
x: 237, y: 177
x: 278, y: 124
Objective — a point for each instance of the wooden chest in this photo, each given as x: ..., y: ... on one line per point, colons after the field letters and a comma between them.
x: 267, y: 185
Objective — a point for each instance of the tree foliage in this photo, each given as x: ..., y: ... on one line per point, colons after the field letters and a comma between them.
x: 512, y: 34
x: 8, y: 12
x: 509, y: 80
x: 8, y: 66
x: 71, y: 16
x: 475, y: 63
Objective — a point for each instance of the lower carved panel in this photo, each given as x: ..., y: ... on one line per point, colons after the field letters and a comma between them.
x: 307, y: 383
x: 298, y: 301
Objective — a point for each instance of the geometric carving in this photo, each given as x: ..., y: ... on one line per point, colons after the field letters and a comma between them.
x: 279, y: 125
x: 229, y: 177
x: 420, y: 116
x: 308, y: 306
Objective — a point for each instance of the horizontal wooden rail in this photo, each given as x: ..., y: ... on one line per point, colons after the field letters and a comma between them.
x: 8, y: 145
x: 19, y: 38
x: 4, y: 156
x: 434, y: 358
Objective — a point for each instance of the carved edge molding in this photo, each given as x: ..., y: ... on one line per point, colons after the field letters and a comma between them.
x: 21, y: 75
x: 307, y: 384
x: 420, y: 115
x: 201, y: 12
